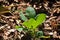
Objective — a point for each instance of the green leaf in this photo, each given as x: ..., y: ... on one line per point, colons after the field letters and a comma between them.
x: 41, y: 18
x: 22, y: 16
x: 30, y: 12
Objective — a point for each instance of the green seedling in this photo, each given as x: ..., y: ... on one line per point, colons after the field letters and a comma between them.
x: 32, y: 24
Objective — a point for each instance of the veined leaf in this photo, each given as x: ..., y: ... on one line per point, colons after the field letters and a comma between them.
x: 41, y: 18
x: 23, y: 17
x: 30, y: 12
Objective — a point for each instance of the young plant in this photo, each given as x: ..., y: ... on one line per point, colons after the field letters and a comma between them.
x: 32, y: 23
